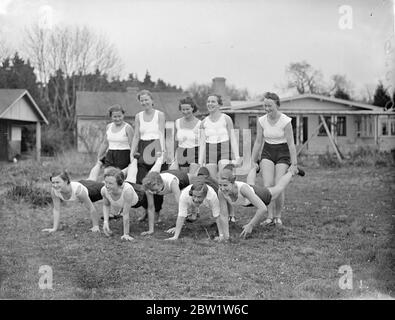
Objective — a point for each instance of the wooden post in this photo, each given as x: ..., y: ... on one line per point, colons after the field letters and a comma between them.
x: 315, y: 133
x: 330, y: 138
x: 376, y: 129
x: 333, y: 128
x: 297, y: 130
x: 38, y: 141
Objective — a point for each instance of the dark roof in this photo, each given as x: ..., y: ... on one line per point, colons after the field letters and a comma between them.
x: 9, y: 96
x: 97, y: 103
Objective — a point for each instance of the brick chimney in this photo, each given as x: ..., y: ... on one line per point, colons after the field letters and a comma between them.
x: 219, y: 87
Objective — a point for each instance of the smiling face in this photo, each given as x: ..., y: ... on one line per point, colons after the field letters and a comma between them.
x: 117, y: 117
x: 198, y: 197
x: 212, y: 104
x: 186, y: 110
x: 58, y: 183
x: 225, y: 186
x: 146, y: 101
x: 157, y: 188
x: 111, y: 184
x: 270, y: 106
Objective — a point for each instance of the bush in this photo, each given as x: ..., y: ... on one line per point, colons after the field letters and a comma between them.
x: 54, y: 140
x: 35, y: 195
x: 328, y: 160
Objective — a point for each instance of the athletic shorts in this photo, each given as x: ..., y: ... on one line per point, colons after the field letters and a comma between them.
x: 263, y: 193
x: 117, y: 158
x: 142, y: 197
x: 94, y: 189
x: 147, y: 150
x: 182, y: 177
x: 276, y: 153
x: 218, y: 151
x: 186, y: 156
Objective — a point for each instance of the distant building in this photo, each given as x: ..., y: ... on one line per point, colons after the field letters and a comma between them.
x: 18, y: 109
x: 351, y: 124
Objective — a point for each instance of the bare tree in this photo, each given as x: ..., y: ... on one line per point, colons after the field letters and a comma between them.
x: 304, y: 78
x: 62, y: 57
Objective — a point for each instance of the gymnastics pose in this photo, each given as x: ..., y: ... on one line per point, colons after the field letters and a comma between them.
x: 85, y: 191
x: 233, y: 193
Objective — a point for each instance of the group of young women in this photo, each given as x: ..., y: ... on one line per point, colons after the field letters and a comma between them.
x: 202, y: 173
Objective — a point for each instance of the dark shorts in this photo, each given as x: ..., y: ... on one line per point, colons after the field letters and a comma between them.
x: 186, y: 156
x: 94, y: 189
x: 276, y: 153
x: 142, y: 197
x: 146, y: 151
x: 218, y: 151
x: 117, y: 158
x: 263, y: 193
x: 181, y: 176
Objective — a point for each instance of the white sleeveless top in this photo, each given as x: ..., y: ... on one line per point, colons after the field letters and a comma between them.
x: 274, y: 134
x: 149, y: 130
x: 241, y: 200
x: 215, y: 132
x: 187, y: 138
x: 119, y: 140
x: 76, y: 189
x: 118, y: 204
x: 167, y: 178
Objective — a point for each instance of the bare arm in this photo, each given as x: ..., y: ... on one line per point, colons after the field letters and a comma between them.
x: 104, y: 146
x: 175, y: 189
x: 56, y: 213
x: 258, y: 143
x: 258, y: 204
x: 151, y: 213
x: 127, y: 204
x: 136, y: 136
x: 161, y: 120
x: 106, y: 214
x: 84, y: 198
x: 291, y: 146
x: 130, y: 135
x: 224, y: 215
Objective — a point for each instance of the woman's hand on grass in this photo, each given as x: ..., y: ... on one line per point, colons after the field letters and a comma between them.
x: 106, y: 229
x: 50, y: 230
x: 171, y: 239
x: 146, y: 233
x: 127, y: 237
x: 247, y: 229
x: 95, y: 229
x: 171, y: 230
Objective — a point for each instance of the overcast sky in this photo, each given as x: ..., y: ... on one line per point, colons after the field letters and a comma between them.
x: 250, y: 43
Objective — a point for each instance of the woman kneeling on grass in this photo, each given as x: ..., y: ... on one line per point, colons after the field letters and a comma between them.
x: 85, y: 191
x: 232, y: 192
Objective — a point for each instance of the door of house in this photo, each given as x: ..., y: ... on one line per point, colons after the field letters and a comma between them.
x: 3, y: 141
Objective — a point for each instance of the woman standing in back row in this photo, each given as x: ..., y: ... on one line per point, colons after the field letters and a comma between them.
x: 274, y: 129
x: 217, y: 141
x: 148, y: 143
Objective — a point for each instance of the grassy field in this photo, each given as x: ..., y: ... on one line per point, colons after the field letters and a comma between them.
x: 332, y: 217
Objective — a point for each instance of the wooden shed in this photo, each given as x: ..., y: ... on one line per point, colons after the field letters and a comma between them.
x: 18, y: 109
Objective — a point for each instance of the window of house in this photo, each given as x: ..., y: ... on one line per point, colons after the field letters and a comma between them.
x: 341, y: 126
x: 384, y: 127
x: 322, y: 131
x: 392, y: 124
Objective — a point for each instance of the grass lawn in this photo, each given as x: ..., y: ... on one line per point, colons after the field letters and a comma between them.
x: 332, y: 217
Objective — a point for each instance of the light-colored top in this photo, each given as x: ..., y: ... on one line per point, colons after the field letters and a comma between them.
x: 118, y: 140
x: 274, y: 134
x: 76, y: 190
x: 216, y: 132
x: 241, y: 200
x: 187, y: 138
x: 167, y: 178
x: 210, y: 201
x: 116, y: 205
x: 149, y: 130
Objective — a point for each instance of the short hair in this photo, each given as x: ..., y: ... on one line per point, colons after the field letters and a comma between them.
x: 188, y: 100
x: 151, y: 179
x: 63, y: 174
x: 116, y: 173
x: 203, y: 171
x: 115, y: 108
x: 199, y: 186
x: 219, y: 98
x: 272, y: 96
x: 144, y: 92
x: 227, y: 173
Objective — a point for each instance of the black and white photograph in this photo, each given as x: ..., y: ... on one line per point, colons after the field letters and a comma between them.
x: 197, y: 156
